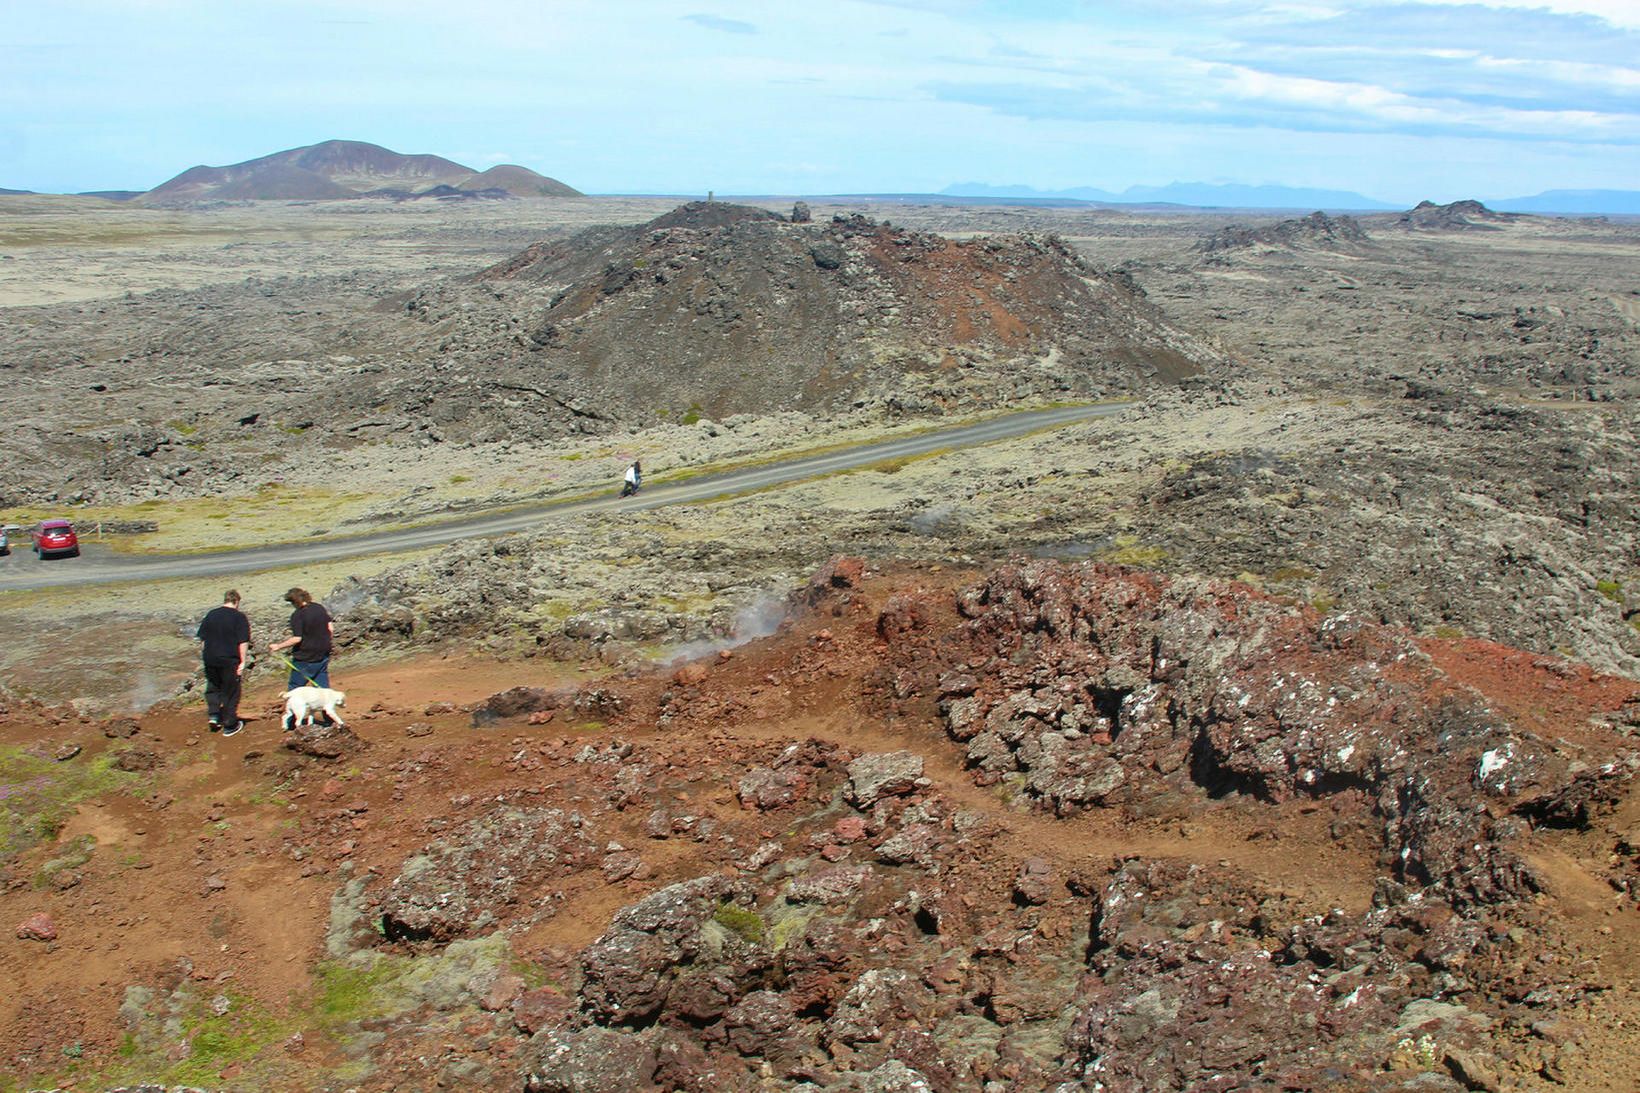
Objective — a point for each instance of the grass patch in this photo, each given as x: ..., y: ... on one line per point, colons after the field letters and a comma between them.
x: 38, y: 794
x: 1612, y: 590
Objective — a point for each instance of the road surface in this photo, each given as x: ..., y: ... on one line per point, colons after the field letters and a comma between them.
x: 99, y: 565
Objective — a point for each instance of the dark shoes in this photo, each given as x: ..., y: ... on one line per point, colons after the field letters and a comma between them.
x: 230, y: 730
x: 214, y: 724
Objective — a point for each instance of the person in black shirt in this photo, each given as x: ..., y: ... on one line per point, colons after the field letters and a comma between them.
x: 310, y: 636
x: 225, y: 636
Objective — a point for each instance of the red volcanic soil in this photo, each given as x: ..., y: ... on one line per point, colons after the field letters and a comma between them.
x: 209, y: 882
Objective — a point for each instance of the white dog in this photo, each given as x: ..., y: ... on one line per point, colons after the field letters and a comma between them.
x: 303, y: 702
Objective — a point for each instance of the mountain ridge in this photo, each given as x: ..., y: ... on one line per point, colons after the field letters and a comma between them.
x: 1590, y: 202
x: 336, y: 169
x: 1202, y: 194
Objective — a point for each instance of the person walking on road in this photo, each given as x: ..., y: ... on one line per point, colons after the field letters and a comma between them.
x: 225, y: 637
x: 311, y: 633
x: 633, y: 481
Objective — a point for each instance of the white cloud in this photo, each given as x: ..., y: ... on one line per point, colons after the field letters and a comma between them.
x: 1394, y: 109
x: 1621, y: 13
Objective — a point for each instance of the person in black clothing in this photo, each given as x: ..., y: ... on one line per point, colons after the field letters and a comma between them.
x: 225, y: 634
x: 310, y: 636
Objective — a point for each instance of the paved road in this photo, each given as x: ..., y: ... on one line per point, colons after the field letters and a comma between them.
x: 99, y: 565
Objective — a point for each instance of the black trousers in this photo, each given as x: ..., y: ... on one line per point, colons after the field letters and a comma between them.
x: 222, y: 685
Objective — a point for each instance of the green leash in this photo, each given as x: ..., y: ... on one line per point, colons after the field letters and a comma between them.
x: 291, y: 664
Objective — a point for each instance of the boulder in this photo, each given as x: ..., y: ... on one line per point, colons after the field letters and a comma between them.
x: 590, y: 1060
x: 37, y: 927
x: 765, y: 789
x: 535, y: 1009
x: 629, y: 973
x: 501, y: 864
x: 324, y: 741
x: 879, y: 1000
x: 518, y: 701
x: 883, y: 774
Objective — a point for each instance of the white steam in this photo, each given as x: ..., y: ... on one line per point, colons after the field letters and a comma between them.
x: 758, y: 619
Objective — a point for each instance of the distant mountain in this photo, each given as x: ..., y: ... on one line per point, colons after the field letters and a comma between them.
x: 1204, y: 194
x: 3, y: 190
x: 1583, y: 202
x: 334, y: 169
x: 518, y: 181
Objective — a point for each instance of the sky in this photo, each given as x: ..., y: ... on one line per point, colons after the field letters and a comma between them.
x: 1396, y: 101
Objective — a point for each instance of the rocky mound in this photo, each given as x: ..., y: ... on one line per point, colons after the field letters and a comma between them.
x: 1318, y: 231
x: 1465, y: 215
x: 730, y: 309
x: 337, y: 169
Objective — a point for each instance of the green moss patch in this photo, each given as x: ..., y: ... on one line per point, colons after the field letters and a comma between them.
x: 350, y: 991
x: 216, y: 1041
x: 38, y: 794
x: 1128, y: 550
x: 745, y: 922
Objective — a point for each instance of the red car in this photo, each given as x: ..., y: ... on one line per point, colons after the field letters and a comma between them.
x: 54, y: 537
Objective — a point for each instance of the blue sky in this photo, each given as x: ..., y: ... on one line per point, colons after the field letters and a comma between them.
x: 1398, y: 101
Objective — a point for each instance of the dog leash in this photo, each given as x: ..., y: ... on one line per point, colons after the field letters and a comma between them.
x: 291, y: 664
